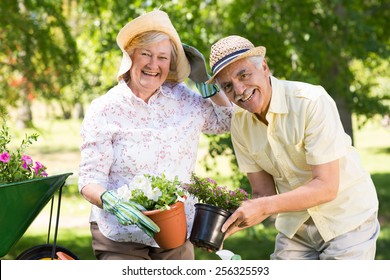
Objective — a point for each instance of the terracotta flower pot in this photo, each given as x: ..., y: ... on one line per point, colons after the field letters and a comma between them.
x: 172, y: 224
x: 206, y: 231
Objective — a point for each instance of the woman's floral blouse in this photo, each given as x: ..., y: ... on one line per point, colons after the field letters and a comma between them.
x: 122, y: 136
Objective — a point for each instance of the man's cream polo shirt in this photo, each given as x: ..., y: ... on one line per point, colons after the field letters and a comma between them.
x: 305, y: 129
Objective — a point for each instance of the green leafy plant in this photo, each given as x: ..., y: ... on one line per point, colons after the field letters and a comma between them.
x: 209, y: 192
x: 15, y: 166
x: 152, y: 192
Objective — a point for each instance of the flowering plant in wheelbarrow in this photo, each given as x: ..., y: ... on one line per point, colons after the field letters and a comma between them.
x: 25, y: 188
x: 216, y: 204
x: 15, y: 165
x: 153, y: 203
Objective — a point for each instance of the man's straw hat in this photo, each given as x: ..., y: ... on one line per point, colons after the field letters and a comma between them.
x: 229, y: 50
x: 156, y: 20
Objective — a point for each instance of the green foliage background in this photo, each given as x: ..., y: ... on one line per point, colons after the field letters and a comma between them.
x: 63, y: 53
x: 66, y: 50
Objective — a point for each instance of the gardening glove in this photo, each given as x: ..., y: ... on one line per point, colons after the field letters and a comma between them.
x: 128, y: 213
x: 199, y: 72
x: 227, y: 255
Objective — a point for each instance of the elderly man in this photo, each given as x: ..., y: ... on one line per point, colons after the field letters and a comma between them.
x: 301, y: 165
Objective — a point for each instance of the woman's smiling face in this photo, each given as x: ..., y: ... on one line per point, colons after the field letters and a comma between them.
x: 150, y: 68
x: 247, y: 85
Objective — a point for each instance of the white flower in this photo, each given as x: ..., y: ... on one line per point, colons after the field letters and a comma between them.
x: 140, y: 182
x: 124, y: 193
x: 153, y: 194
x: 144, y: 184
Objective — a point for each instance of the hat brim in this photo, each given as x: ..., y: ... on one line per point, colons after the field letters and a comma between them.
x: 257, y: 51
x: 156, y: 20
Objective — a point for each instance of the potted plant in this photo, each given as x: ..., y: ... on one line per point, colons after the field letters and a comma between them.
x: 162, y: 201
x: 216, y: 204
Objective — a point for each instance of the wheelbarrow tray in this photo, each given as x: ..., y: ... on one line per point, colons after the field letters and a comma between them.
x: 20, y: 204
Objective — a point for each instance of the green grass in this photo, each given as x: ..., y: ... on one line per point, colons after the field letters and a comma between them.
x: 76, y: 240
x: 58, y: 149
x: 373, y: 144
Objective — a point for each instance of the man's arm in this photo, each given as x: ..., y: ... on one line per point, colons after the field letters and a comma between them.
x: 262, y: 184
x: 321, y: 189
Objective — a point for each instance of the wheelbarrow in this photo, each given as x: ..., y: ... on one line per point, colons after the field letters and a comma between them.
x: 20, y: 203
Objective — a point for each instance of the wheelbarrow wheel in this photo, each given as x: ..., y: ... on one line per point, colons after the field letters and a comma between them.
x: 44, y: 252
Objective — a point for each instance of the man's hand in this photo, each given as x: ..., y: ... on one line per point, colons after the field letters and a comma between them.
x: 247, y: 215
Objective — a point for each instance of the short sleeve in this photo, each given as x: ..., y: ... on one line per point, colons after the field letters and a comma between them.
x: 325, y: 139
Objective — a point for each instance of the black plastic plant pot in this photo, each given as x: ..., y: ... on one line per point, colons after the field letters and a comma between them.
x: 206, y: 231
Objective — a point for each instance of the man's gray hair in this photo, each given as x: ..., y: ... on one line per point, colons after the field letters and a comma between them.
x: 256, y: 60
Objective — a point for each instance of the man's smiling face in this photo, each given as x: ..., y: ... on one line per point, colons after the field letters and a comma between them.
x: 247, y: 85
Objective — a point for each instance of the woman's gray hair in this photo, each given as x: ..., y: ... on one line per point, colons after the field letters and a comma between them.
x: 146, y: 39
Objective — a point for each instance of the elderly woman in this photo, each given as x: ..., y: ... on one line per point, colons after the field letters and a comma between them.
x: 150, y: 122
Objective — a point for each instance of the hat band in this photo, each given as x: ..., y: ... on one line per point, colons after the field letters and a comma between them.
x: 219, y: 64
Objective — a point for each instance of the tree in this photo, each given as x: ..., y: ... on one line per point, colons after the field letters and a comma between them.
x: 38, y: 55
x: 316, y: 41
x: 66, y: 50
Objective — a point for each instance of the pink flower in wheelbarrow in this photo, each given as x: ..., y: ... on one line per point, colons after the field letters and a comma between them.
x: 40, y: 169
x: 15, y: 166
x: 4, y: 157
x: 27, y: 162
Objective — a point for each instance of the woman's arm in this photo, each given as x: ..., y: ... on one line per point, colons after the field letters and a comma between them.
x: 92, y: 193
x: 221, y: 99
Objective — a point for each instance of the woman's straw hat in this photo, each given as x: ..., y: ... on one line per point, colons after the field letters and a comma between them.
x: 229, y: 50
x: 156, y: 20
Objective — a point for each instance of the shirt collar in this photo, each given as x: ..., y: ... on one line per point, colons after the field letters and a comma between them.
x: 278, y: 103
x: 165, y: 89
